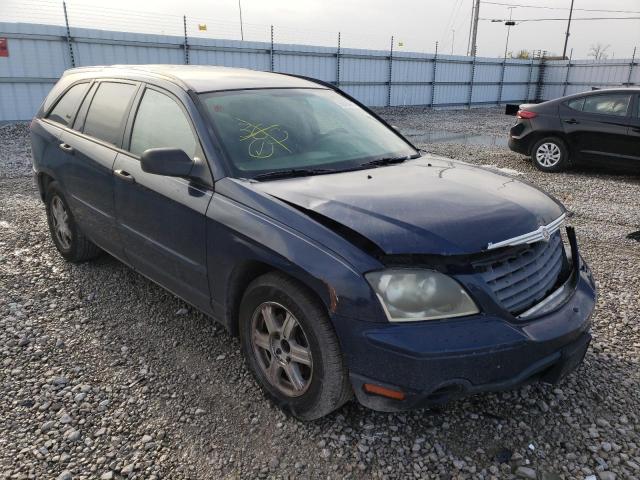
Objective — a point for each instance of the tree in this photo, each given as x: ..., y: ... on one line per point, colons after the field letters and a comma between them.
x: 598, y: 51
x: 522, y: 55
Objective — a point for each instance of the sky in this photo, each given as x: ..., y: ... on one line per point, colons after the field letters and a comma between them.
x: 415, y: 24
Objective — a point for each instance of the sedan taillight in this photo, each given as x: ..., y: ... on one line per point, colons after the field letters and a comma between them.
x: 526, y: 114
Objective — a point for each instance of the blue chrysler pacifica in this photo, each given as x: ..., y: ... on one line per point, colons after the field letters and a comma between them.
x: 348, y: 263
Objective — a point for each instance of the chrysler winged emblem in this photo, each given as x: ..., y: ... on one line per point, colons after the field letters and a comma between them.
x: 546, y: 236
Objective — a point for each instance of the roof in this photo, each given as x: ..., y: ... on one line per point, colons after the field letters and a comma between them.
x: 201, y: 78
x: 600, y: 90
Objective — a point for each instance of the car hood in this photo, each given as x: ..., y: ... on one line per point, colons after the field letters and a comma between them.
x: 429, y: 205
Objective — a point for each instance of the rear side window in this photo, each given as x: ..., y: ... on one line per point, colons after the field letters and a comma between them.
x: 106, y: 114
x: 65, y: 109
x: 614, y: 104
x: 576, y: 104
x: 160, y: 122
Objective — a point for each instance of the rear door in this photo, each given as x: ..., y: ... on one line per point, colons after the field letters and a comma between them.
x: 48, y: 152
x: 162, y: 219
x: 91, y: 154
x: 597, y: 125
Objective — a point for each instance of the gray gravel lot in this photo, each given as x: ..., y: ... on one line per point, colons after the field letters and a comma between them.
x: 105, y: 375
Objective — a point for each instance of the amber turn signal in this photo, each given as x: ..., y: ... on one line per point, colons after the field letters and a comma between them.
x: 383, y: 391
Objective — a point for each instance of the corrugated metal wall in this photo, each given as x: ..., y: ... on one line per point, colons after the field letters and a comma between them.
x: 38, y: 54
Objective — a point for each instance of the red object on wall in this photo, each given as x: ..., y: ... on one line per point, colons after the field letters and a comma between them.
x: 4, y: 47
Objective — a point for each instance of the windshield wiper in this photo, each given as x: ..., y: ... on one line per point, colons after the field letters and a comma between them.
x: 379, y: 162
x: 292, y: 172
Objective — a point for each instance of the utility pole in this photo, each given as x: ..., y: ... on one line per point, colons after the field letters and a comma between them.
x: 506, y: 44
x: 240, y: 9
x: 566, y: 38
x: 476, y: 15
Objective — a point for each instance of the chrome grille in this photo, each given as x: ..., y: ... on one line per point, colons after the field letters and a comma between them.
x: 522, y: 280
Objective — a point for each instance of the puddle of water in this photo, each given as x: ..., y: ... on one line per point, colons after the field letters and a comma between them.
x: 634, y: 236
x: 436, y: 136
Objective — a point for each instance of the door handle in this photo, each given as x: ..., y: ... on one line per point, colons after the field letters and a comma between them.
x: 573, y: 121
x: 636, y: 129
x: 126, y: 176
x: 66, y: 147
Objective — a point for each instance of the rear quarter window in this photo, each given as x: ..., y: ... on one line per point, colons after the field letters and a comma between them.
x: 576, y: 104
x: 106, y: 115
x: 65, y: 110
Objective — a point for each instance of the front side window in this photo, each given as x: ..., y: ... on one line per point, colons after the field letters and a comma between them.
x: 269, y: 130
x: 612, y: 104
x: 106, y: 115
x: 65, y: 109
x: 160, y: 122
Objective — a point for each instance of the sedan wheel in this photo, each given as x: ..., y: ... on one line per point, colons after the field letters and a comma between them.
x: 548, y: 154
x: 282, y: 349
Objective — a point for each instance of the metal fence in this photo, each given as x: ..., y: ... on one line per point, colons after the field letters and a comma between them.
x: 38, y: 54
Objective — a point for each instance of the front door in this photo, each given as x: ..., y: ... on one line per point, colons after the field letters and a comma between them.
x: 162, y: 219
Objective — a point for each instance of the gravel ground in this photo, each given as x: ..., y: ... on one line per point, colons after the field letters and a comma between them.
x: 105, y: 375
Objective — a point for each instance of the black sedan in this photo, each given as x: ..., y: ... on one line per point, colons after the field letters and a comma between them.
x: 597, y: 126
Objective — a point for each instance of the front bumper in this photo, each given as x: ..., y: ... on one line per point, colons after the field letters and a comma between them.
x: 436, y: 361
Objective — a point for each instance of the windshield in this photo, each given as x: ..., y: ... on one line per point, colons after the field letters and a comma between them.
x: 273, y: 130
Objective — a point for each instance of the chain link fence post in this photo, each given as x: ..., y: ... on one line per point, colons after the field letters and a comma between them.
x: 186, y: 41
x: 70, y: 45
x: 566, y: 78
x: 271, y: 51
x: 390, y: 73
x: 501, y: 86
x: 338, y: 63
x: 529, y: 81
x: 631, y: 64
x: 473, y: 76
x: 433, y: 83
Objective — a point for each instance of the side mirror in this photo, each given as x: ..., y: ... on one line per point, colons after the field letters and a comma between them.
x: 171, y: 162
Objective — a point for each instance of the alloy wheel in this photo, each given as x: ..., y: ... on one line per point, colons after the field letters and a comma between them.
x: 281, y: 348
x: 548, y: 154
x: 60, y: 219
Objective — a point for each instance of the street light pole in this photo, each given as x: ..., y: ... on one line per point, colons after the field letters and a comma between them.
x: 473, y: 9
x: 453, y: 39
x: 240, y: 10
x: 566, y: 38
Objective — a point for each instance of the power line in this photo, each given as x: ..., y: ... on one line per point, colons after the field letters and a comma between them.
x: 546, y: 7
x: 559, y: 19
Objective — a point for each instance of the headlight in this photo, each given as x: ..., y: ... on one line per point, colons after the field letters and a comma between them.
x: 412, y: 295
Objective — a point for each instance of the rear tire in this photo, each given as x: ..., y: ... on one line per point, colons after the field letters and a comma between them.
x: 65, y: 233
x: 291, y: 348
x: 550, y: 154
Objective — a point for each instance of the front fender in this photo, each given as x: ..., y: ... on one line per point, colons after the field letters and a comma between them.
x: 238, y: 234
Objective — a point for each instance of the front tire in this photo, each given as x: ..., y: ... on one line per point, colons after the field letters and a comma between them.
x: 291, y: 348
x: 65, y: 233
x: 550, y: 154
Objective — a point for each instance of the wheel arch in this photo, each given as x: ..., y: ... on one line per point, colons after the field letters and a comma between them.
x: 538, y: 135
x: 247, y: 271
x: 44, y: 179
